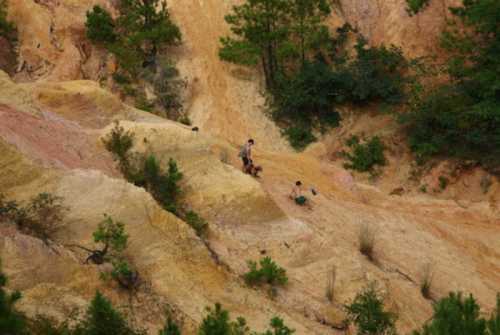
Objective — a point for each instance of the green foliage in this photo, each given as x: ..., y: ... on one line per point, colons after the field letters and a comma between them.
x: 41, y: 217
x: 100, y: 26
x: 11, y: 321
x: 299, y: 136
x: 170, y: 328
x: 162, y: 186
x: 365, y: 156
x: 217, y: 322
x: 268, y: 273
x: 124, y: 274
x: 136, y: 36
x: 278, y: 327
x: 145, y: 27
x: 119, y: 143
x: 461, y: 119
x: 308, y: 97
x: 275, y: 34
x: 145, y: 171
x: 112, y: 235
x: 415, y: 6
x: 455, y: 315
x: 368, y: 314
x: 7, y: 29
x: 376, y: 74
x: 102, y: 319
x: 197, y: 223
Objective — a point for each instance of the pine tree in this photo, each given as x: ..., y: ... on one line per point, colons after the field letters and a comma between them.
x: 102, y: 319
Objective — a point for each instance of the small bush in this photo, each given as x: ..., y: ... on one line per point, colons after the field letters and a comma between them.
x: 41, y: 217
x: 217, y: 322
x: 170, y: 328
x: 11, y: 321
x: 365, y: 156
x: 456, y: 315
x: 278, y: 327
x: 100, y: 26
x: 102, y: 319
x: 415, y: 6
x: 112, y: 235
x: 366, y: 239
x: 426, y: 281
x: 368, y: 314
x: 119, y: 142
x: 163, y: 186
x: 199, y: 225
x: 299, y: 136
x: 269, y: 273
x: 124, y: 274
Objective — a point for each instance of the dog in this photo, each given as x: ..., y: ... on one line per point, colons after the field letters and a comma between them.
x: 253, y: 170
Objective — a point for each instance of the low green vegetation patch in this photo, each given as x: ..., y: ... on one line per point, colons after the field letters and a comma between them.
x: 365, y: 156
x: 368, y: 314
x: 268, y: 273
x: 413, y: 7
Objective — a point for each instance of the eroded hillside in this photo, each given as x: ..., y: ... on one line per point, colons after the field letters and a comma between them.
x: 51, y: 125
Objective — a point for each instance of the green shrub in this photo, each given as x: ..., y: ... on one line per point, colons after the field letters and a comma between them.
x: 102, y: 319
x: 170, y: 328
x: 100, y: 26
x: 217, y: 322
x: 119, y: 143
x: 415, y: 6
x: 368, y: 314
x: 365, y: 156
x: 268, y: 273
x: 299, y: 136
x: 163, y: 186
x: 197, y: 223
x: 278, y: 327
x: 113, y: 237
x: 11, y: 321
x: 460, y: 119
x: 145, y: 171
x: 309, y: 96
x: 456, y: 315
x: 376, y: 74
x: 124, y: 274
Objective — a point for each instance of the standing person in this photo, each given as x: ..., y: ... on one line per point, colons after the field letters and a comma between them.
x: 246, y: 154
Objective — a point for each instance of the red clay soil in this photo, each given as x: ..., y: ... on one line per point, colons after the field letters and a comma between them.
x: 52, y: 141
